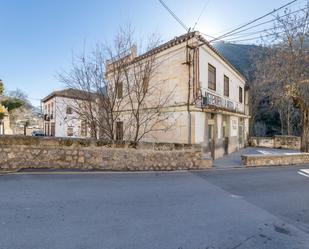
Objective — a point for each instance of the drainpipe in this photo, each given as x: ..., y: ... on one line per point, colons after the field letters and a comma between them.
x: 188, y: 63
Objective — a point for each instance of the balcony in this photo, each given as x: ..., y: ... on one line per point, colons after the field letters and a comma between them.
x: 210, y: 100
x: 46, y: 117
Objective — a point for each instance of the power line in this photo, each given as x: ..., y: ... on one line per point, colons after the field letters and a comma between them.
x: 174, y: 15
x: 253, y: 21
x: 269, y: 21
x: 251, y: 33
x: 231, y: 36
x: 226, y: 30
x: 199, y: 17
x: 263, y: 36
x: 254, y: 38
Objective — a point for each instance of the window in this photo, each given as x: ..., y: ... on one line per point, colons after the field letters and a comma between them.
x: 46, y: 129
x: 69, y: 110
x: 211, y: 77
x: 52, y: 111
x: 52, y: 129
x: 119, y: 131
x: 119, y: 90
x: 145, y: 84
x: 240, y: 95
x: 226, y: 86
x: 70, y: 131
x: 83, y: 129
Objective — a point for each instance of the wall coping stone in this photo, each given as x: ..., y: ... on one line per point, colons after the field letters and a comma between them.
x: 18, y: 152
x: 87, y: 142
x: 254, y: 160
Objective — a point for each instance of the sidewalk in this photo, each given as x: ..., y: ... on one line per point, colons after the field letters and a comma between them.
x: 233, y: 160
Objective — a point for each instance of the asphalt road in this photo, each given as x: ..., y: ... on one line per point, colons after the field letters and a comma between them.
x: 216, y: 209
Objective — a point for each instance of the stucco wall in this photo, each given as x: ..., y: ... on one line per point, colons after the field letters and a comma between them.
x: 207, y: 56
x: 34, y: 152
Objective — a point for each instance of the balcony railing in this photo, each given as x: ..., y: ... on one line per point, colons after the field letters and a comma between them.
x: 210, y: 100
x: 46, y: 117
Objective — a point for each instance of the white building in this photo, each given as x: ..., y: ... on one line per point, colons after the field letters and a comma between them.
x: 209, y: 105
x: 211, y: 98
x: 60, y: 116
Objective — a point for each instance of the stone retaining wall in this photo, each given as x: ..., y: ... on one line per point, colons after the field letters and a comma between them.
x: 17, y: 152
x: 278, y: 142
x: 275, y: 159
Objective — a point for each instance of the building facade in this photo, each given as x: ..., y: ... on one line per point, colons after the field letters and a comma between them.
x: 5, y: 128
x: 61, y: 117
x: 210, y: 101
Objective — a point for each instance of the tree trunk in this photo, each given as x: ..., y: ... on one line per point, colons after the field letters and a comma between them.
x: 288, y: 120
x: 305, y: 131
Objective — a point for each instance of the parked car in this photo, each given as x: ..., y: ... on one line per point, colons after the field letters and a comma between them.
x: 38, y: 134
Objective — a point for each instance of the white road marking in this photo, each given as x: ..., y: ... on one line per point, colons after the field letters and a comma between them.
x: 304, y: 172
x: 236, y: 196
x: 264, y: 152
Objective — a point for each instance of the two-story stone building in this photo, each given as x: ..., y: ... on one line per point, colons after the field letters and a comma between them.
x: 210, y: 100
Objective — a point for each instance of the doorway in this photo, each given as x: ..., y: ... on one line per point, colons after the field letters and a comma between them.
x: 241, y: 133
x: 52, y: 129
x: 211, y: 140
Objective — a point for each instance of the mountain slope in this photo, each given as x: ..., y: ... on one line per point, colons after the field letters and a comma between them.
x: 241, y: 56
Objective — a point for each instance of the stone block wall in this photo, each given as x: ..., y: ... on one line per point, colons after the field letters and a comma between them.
x: 287, y: 142
x: 17, y: 152
x: 267, y: 142
x: 277, y: 142
x: 275, y: 159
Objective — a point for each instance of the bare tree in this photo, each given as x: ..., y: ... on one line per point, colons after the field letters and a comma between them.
x: 147, y: 97
x: 115, y: 84
x: 286, y: 66
x: 97, y: 97
x: 80, y: 83
x: 1, y: 87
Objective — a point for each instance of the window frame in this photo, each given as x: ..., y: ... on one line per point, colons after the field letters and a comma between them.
x: 214, y: 87
x: 240, y: 93
x: 69, y: 110
x: 226, y: 89
x: 119, y: 131
x: 70, y: 134
x: 119, y: 90
x: 83, y: 128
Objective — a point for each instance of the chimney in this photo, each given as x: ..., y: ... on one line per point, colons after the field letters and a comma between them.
x: 133, y: 51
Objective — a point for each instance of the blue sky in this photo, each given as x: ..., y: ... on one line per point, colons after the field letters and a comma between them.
x: 39, y: 37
